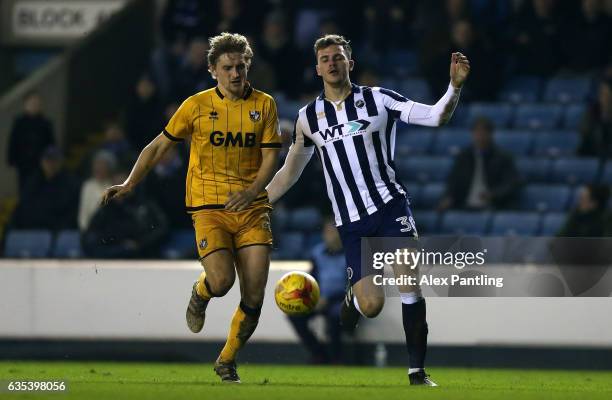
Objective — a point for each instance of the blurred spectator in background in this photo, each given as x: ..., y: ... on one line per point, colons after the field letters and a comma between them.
x: 278, y: 51
x: 233, y: 17
x: 536, y: 40
x: 143, y: 116
x: 30, y: 135
x: 166, y: 62
x: 102, y: 168
x: 464, y: 38
x: 589, y: 218
x: 587, y: 41
x: 165, y: 185
x: 482, y: 176
x: 193, y: 75
x: 129, y: 227
x: 596, y: 129
x: 49, y: 197
x: 183, y: 19
x: 329, y: 269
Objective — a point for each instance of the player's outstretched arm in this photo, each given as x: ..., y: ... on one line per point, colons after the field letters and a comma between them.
x: 238, y: 201
x: 441, y: 112
x: 290, y: 172
x: 149, y: 156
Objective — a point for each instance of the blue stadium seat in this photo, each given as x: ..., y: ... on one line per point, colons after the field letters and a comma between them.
x: 414, y: 192
x: 555, y: 143
x: 288, y: 109
x: 68, y: 244
x: 413, y: 141
x: 515, y: 223
x: 538, y: 116
x: 552, y: 223
x: 416, y: 90
x: 499, y: 113
x: 311, y: 240
x: 424, y: 168
x: 426, y: 221
x: 27, y: 244
x: 291, y: 245
x: 451, y: 141
x: 460, y: 116
x: 545, y: 197
x: 401, y: 63
x: 567, y: 90
x: 575, y: 170
x: 534, y: 169
x: 606, y: 175
x: 431, y: 195
x: 525, y: 89
x: 182, y: 244
x: 573, y: 116
x: 305, y: 219
x: 517, y: 143
x: 465, y: 222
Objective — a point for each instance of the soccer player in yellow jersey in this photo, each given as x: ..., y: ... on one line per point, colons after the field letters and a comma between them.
x: 235, y: 140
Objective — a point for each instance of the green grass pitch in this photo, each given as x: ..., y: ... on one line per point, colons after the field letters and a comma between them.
x: 99, y: 380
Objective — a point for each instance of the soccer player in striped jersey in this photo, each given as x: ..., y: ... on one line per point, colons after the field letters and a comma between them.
x: 235, y: 141
x: 352, y: 129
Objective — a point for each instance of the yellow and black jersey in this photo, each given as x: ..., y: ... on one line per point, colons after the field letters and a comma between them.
x: 226, y: 141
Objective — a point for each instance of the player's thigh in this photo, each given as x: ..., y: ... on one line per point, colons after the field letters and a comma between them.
x: 253, y: 264
x: 220, y: 271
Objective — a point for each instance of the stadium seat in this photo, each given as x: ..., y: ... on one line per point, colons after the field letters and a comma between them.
x: 68, y: 244
x: 27, y: 244
x: 525, y: 89
x: 555, y: 143
x: 291, y: 245
x: 465, y: 222
x: 606, y: 175
x: 288, y: 109
x: 305, y: 219
x: 534, y: 169
x: 401, y: 63
x: 545, y: 197
x: 517, y: 143
x: 573, y: 116
x: 499, y: 113
x: 416, y: 90
x: 552, y: 223
x: 311, y: 240
x: 567, y: 90
x: 414, y: 192
x: 515, y: 223
x: 538, y: 116
x: 451, y: 141
x: 182, y: 244
x: 424, y: 168
x: 431, y: 195
x: 413, y: 141
x: 426, y: 221
x: 575, y: 170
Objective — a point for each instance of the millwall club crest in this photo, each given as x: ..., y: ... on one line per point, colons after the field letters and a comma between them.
x: 203, y: 243
x: 255, y: 115
x: 359, y: 103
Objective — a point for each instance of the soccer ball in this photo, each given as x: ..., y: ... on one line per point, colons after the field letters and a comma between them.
x: 296, y: 293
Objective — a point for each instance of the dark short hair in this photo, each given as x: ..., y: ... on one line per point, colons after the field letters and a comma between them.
x: 228, y: 43
x: 330, y: 40
x: 600, y: 194
x: 483, y: 122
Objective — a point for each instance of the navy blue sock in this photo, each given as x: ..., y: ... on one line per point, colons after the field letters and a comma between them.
x: 415, y: 328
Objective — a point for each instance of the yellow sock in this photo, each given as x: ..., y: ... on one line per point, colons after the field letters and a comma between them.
x: 242, y: 327
x: 201, y: 287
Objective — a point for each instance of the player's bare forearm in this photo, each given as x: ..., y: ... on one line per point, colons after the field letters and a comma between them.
x: 241, y: 200
x: 149, y: 156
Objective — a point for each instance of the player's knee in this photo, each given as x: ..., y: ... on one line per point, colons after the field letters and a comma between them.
x: 371, y: 306
x: 253, y: 300
x: 220, y: 285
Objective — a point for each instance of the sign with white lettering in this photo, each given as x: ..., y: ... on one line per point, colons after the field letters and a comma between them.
x: 59, y: 19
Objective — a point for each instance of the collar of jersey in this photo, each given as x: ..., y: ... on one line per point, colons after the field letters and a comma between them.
x: 247, y: 93
x: 354, y: 89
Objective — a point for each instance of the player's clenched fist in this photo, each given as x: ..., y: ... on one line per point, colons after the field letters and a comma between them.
x: 115, y: 192
x: 459, y: 69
